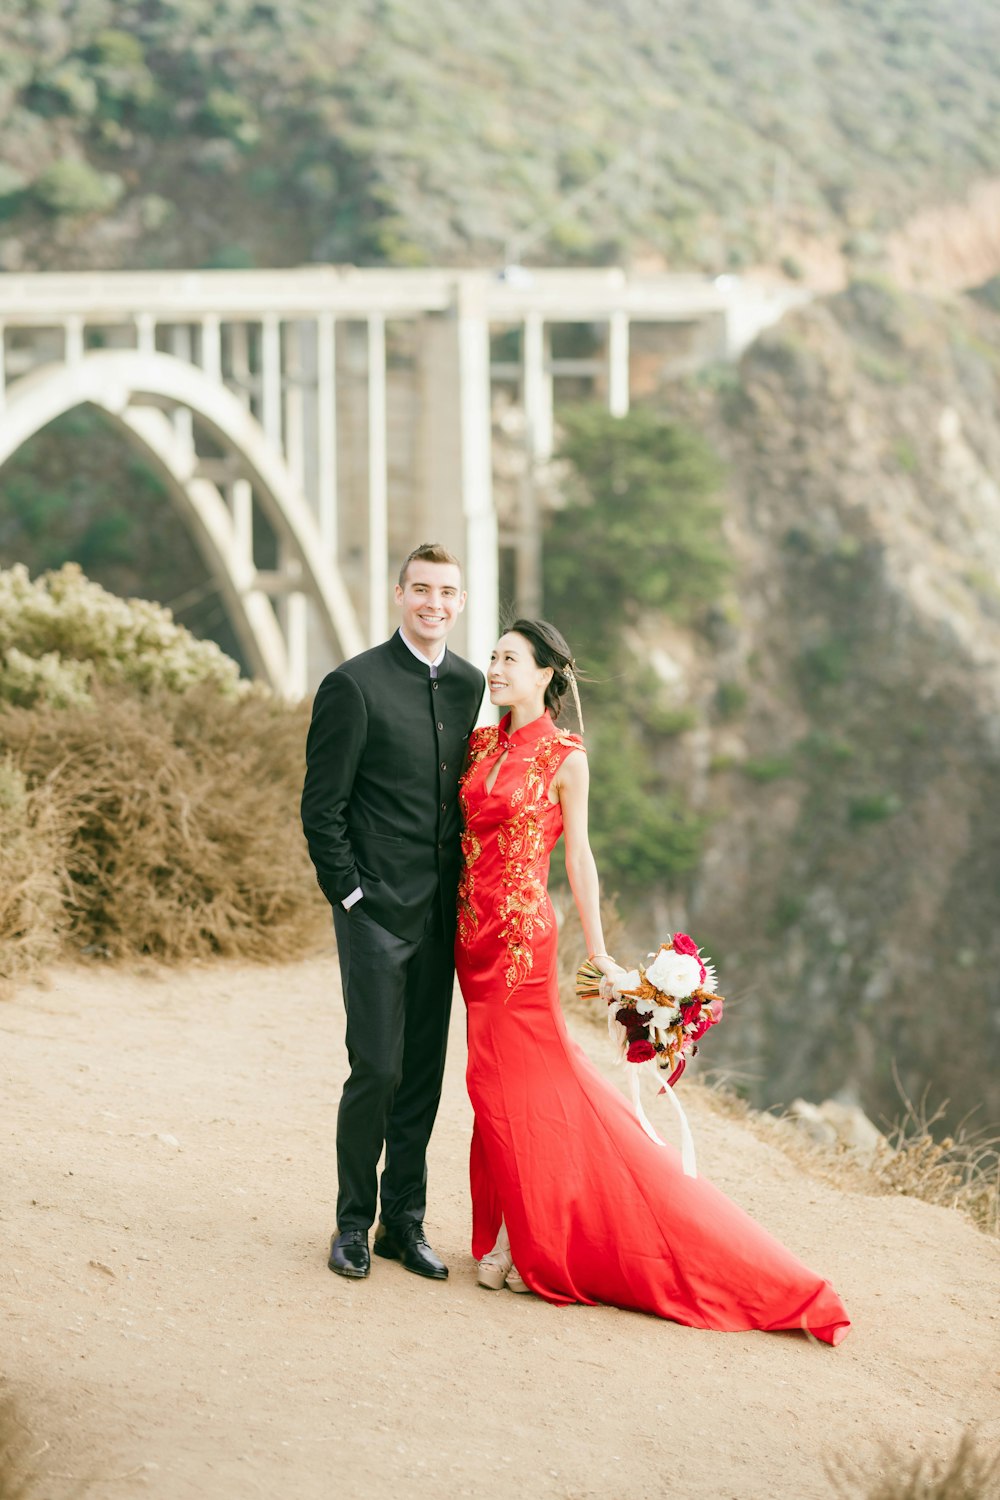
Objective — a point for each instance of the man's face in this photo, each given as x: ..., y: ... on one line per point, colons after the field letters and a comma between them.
x: 431, y: 600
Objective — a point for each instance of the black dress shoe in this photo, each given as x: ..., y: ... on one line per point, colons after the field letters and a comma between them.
x: 349, y: 1254
x: 410, y: 1246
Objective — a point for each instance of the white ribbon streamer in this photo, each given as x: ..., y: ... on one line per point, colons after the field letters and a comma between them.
x: 688, y: 1161
x: 687, y: 1139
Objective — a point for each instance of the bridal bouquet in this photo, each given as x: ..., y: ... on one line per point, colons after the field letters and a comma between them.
x: 661, y: 1010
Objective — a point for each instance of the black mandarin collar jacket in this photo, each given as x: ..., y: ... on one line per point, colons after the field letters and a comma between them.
x: 386, y: 747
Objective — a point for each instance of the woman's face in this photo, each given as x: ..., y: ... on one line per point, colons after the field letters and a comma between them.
x: 514, y: 677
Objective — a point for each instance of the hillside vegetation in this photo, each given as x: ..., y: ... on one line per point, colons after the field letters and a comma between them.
x: 709, y: 134
x: 842, y: 743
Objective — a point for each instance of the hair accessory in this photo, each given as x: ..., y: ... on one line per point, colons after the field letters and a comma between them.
x: 576, y: 696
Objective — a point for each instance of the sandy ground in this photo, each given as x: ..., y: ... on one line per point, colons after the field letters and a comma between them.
x: 171, y: 1329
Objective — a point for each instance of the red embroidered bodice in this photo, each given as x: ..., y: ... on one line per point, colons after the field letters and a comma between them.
x: 508, y: 834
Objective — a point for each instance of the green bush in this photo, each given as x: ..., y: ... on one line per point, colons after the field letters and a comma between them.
x: 12, y: 181
x: 730, y: 699
x: 643, y: 836
x: 61, y: 633
x: 640, y: 531
x: 825, y: 664
x: 874, y: 807
x: 75, y: 187
x: 768, y: 767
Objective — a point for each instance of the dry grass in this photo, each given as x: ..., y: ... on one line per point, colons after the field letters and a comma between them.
x: 970, y: 1472
x: 960, y: 1171
x: 178, y: 824
x: 31, y: 894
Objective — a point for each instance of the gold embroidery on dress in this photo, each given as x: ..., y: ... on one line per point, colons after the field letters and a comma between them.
x: 521, y: 843
x: 482, y: 742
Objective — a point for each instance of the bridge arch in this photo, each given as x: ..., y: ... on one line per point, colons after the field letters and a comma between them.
x: 158, y: 401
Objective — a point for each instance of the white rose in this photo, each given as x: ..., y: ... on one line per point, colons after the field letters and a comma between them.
x: 665, y: 1016
x: 675, y: 974
x: 630, y: 980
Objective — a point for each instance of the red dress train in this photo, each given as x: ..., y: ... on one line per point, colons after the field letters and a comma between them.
x: 595, y: 1210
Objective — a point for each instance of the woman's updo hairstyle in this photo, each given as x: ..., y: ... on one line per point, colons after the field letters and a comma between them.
x: 549, y: 649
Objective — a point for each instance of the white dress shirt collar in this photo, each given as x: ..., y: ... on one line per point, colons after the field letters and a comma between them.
x: 432, y: 665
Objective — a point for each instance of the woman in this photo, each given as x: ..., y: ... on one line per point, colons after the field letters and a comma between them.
x: 571, y: 1199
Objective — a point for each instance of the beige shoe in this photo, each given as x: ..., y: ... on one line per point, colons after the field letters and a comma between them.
x: 493, y: 1270
x: 516, y: 1282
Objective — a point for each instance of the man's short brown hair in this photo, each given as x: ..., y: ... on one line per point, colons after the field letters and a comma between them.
x: 433, y: 552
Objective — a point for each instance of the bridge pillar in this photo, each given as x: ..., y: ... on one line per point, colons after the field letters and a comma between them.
x: 378, y: 483
x: 537, y: 387
x: 454, y: 500
x: 618, y: 364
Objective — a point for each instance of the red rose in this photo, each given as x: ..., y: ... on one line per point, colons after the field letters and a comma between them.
x: 690, y: 1012
x: 685, y: 944
x: 641, y: 1050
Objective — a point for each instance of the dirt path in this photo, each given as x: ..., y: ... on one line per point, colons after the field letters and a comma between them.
x: 171, y: 1330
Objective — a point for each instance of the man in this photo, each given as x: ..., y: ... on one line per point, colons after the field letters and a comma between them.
x: 380, y: 811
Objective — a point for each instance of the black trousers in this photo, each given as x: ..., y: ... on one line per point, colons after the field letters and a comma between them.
x: 397, y: 994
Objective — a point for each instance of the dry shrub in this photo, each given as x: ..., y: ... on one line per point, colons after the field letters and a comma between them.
x: 180, y: 825
x: 971, y: 1472
x: 960, y: 1171
x: 952, y: 1173
x: 31, y: 905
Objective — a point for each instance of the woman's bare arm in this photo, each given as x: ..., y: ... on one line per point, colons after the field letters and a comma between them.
x: 572, y: 785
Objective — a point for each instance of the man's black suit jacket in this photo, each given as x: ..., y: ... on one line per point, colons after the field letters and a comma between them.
x: 386, y: 747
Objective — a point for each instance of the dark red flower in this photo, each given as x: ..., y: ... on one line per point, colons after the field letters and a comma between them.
x: 640, y: 1050
x: 634, y: 1024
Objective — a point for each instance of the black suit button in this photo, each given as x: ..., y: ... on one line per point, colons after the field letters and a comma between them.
x: 444, y: 807
x: 434, y: 685
x: 444, y: 765
x: 440, y: 725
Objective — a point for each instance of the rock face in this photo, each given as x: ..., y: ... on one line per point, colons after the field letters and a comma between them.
x: 833, y: 1123
x: 849, y: 694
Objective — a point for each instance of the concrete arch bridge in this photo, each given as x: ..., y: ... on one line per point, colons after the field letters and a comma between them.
x: 312, y: 425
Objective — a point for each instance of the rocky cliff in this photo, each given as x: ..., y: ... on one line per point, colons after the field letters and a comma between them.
x: 847, y: 750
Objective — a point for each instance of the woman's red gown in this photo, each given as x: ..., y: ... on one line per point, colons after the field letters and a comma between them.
x: 595, y: 1210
